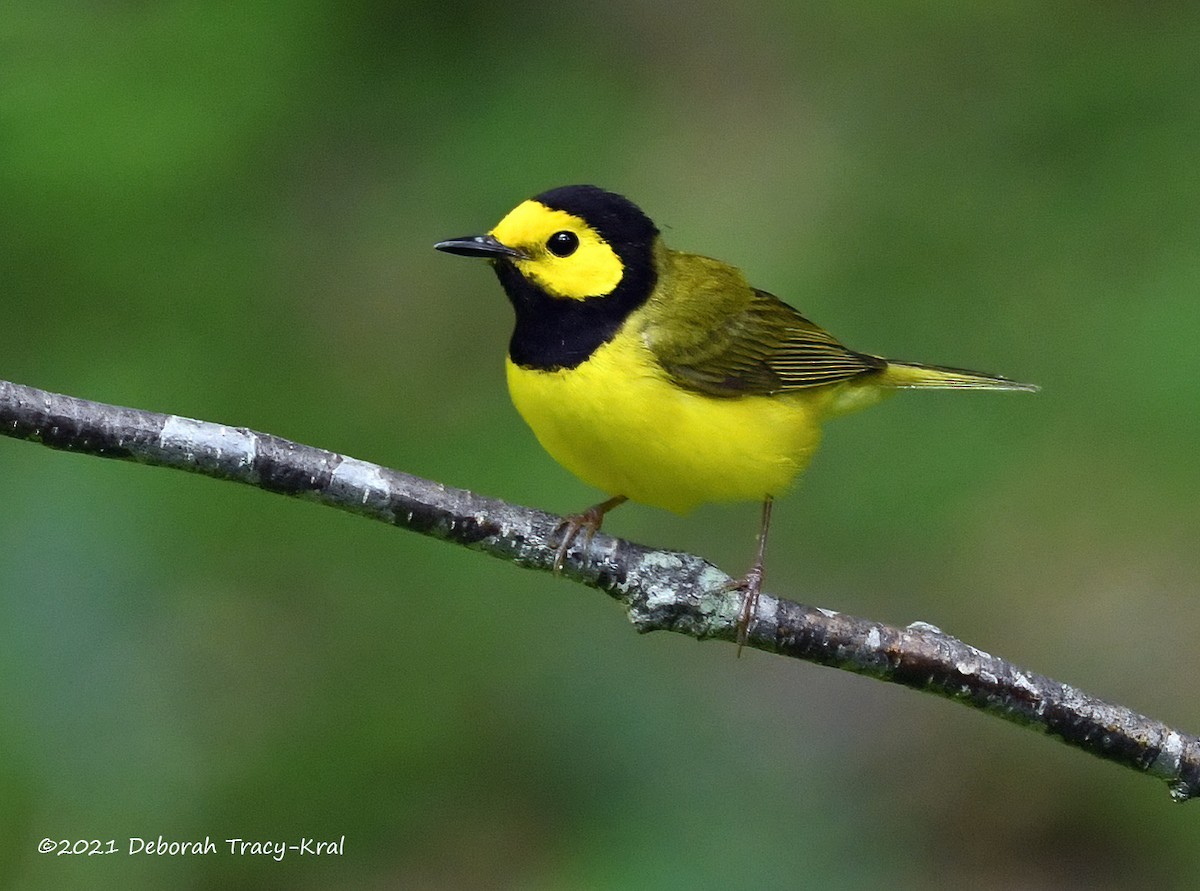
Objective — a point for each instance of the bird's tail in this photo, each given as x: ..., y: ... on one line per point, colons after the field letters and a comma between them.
x: 914, y: 374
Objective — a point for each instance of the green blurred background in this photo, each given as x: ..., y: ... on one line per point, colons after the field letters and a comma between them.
x: 226, y: 211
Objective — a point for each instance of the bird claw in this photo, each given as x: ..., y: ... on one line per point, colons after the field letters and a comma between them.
x: 751, y: 586
x: 588, y: 522
x: 751, y: 583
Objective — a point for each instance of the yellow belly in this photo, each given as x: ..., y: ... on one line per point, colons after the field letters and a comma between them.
x: 620, y: 425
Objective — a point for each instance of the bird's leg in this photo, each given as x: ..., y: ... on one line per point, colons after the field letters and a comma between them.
x: 588, y: 522
x: 751, y: 583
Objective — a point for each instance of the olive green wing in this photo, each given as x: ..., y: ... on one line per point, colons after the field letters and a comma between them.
x: 762, y: 346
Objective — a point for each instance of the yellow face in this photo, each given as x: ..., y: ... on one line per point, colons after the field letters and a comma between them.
x: 564, y: 256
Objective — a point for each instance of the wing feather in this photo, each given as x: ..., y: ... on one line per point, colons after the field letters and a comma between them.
x: 760, y: 346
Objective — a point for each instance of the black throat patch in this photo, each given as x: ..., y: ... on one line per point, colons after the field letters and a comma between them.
x: 553, y: 333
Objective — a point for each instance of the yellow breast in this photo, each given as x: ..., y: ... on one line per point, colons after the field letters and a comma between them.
x: 619, y: 424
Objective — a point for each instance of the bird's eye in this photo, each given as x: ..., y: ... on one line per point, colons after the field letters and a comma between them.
x: 562, y: 244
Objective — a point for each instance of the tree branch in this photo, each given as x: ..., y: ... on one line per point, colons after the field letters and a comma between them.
x: 661, y: 590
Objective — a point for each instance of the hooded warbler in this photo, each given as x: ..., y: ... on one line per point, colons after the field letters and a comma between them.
x: 665, y: 377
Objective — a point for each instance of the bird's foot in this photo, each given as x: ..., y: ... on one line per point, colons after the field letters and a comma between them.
x: 751, y: 586
x: 588, y: 523
x: 751, y: 583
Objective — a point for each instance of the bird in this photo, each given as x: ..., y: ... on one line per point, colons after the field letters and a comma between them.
x: 664, y: 377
